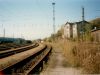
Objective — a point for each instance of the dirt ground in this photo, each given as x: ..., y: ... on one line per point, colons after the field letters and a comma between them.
x: 57, y: 65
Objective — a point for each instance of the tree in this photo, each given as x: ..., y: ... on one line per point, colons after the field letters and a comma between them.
x: 87, y: 35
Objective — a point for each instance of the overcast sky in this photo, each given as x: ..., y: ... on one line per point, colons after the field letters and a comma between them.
x: 32, y: 19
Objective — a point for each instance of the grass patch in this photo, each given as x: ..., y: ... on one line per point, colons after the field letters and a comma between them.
x: 80, y: 54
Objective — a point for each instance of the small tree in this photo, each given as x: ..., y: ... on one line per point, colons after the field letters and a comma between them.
x: 87, y: 35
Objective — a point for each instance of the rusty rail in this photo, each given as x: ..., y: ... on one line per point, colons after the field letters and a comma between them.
x: 40, y: 58
x: 26, y: 62
x: 16, y: 58
x: 16, y: 50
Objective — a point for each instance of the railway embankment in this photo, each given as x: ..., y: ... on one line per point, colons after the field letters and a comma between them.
x: 82, y: 57
x: 58, y: 64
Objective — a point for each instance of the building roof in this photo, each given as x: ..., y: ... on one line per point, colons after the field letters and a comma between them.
x: 69, y: 23
x: 79, y: 23
x: 93, y: 30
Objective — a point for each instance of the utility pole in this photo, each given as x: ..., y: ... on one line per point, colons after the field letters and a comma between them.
x: 53, y: 4
x: 82, y: 13
x: 13, y: 36
x: 4, y: 33
x: 83, y: 24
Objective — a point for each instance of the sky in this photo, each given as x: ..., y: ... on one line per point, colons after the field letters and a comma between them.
x: 32, y: 19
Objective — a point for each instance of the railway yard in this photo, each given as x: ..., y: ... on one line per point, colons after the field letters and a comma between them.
x: 49, y: 37
x: 23, y: 59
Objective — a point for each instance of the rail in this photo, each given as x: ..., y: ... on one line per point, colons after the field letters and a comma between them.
x: 40, y: 58
x: 16, y: 58
x: 16, y: 50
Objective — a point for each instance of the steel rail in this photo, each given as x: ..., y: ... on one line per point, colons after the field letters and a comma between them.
x: 16, y: 58
x: 45, y: 53
x: 17, y: 50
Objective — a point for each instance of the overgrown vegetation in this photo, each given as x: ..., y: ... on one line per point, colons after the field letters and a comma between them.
x: 95, y: 23
x: 87, y: 56
x: 55, y: 37
x: 81, y: 55
x: 81, y: 52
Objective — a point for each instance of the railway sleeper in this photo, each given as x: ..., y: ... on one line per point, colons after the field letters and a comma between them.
x: 31, y: 61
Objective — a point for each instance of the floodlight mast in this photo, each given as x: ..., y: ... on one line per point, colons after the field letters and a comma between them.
x: 53, y: 4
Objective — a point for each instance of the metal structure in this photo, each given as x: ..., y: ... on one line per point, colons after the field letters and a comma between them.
x: 9, y: 52
x: 82, y: 13
x: 83, y: 24
x: 53, y: 4
x: 26, y: 62
x: 4, y: 32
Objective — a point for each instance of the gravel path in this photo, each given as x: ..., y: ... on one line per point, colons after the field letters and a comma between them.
x: 56, y: 65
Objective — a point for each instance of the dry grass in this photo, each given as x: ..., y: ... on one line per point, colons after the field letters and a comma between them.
x: 66, y: 46
x: 81, y: 54
x: 88, y: 57
x: 67, y: 49
x: 84, y: 55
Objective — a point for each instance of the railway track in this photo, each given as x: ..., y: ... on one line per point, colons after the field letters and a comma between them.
x: 9, y: 52
x: 26, y: 62
x: 27, y: 69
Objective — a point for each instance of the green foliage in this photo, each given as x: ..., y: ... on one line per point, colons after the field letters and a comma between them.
x: 95, y: 23
x: 87, y: 34
x: 55, y: 36
x: 59, y: 33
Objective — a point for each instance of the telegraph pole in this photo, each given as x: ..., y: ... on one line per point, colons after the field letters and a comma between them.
x: 82, y: 13
x: 4, y: 33
x: 53, y: 4
x: 83, y: 24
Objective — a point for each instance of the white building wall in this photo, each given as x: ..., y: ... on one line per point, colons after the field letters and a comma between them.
x: 75, y: 31
x: 67, y: 31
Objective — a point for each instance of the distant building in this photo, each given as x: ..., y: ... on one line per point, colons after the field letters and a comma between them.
x: 79, y: 28
x: 68, y: 30
x: 96, y: 35
x: 73, y: 30
x: 76, y: 29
